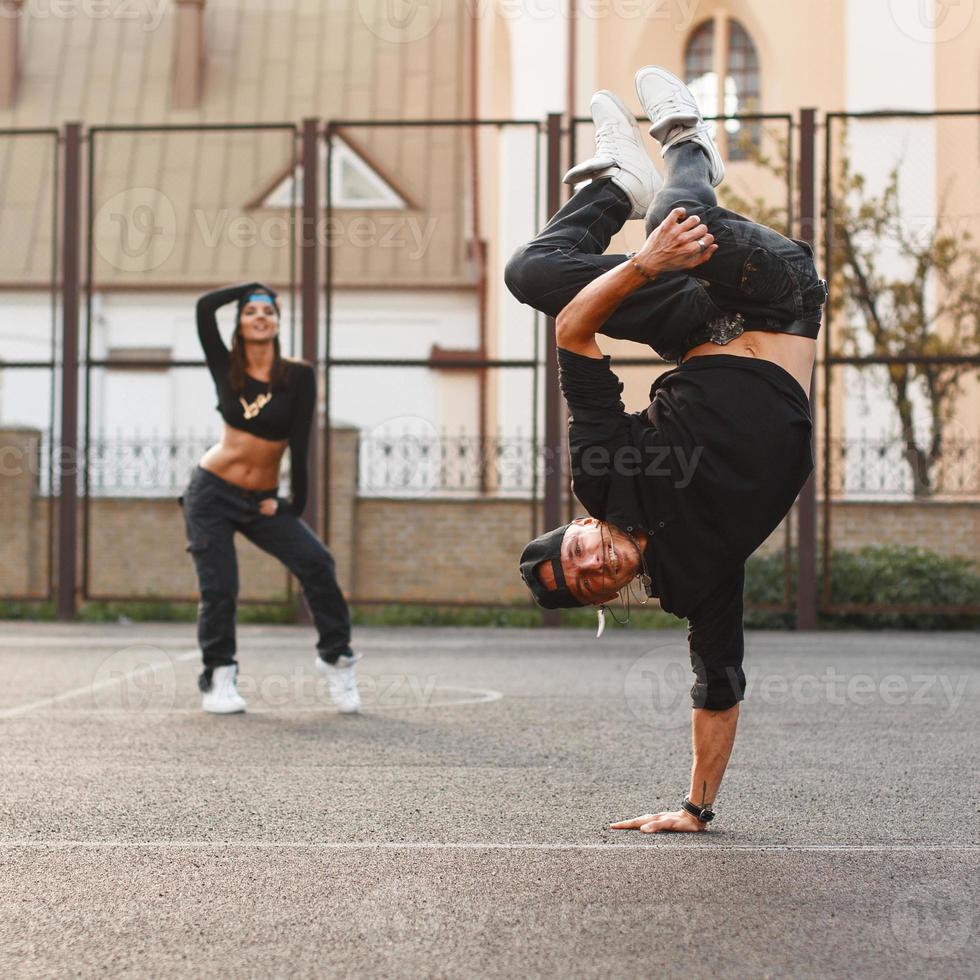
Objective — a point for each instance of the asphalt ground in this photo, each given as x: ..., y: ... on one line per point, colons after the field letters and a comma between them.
x: 458, y: 827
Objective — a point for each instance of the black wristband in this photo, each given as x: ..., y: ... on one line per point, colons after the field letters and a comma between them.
x: 703, y: 813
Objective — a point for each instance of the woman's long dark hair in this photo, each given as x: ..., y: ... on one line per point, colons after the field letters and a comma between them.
x: 236, y: 369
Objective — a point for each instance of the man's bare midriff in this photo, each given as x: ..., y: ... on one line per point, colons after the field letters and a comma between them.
x: 245, y: 460
x: 796, y: 355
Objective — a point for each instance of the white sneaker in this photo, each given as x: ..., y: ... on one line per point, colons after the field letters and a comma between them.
x: 675, y: 116
x: 223, y: 698
x: 619, y: 154
x: 342, y: 683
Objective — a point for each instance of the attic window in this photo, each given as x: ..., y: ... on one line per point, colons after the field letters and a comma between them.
x: 355, y: 184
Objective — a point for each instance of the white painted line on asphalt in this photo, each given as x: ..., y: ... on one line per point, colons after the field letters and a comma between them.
x: 480, y: 695
x: 77, y: 692
x: 486, y: 846
x: 34, y: 642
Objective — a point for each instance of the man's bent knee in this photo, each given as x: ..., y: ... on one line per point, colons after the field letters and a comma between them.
x: 532, y: 272
x: 718, y: 689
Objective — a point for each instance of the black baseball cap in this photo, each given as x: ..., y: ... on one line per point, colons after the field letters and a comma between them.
x: 547, y: 548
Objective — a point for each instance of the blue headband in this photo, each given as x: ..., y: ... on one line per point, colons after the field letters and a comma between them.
x: 265, y: 297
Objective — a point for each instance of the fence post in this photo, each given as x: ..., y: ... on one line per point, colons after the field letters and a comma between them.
x: 310, y: 302
x: 67, y: 460
x: 310, y: 293
x: 806, y: 595
x: 553, y: 414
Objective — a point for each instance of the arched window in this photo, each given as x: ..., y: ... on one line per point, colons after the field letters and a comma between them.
x: 741, y: 90
x: 699, y: 64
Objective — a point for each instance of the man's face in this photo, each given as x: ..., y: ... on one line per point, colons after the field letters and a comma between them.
x: 597, y: 560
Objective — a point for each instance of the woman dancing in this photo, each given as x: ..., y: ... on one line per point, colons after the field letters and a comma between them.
x: 266, y: 402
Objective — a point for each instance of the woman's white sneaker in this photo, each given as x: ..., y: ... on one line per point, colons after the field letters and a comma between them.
x: 342, y: 683
x: 675, y: 116
x: 222, y: 698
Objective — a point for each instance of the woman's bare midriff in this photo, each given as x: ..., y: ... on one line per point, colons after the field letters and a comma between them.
x: 795, y: 355
x: 245, y: 460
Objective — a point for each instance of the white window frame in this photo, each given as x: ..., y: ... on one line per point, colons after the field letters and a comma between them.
x: 388, y: 199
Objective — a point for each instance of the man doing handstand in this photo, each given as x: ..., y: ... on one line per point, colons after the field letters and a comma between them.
x: 683, y: 492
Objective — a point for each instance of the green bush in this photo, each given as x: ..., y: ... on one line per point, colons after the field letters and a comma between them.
x: 876, y: 575
x: 765, y: 586
x: 34, y: 611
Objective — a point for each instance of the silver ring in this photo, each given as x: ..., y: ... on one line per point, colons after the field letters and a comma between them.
x: 701, y: 244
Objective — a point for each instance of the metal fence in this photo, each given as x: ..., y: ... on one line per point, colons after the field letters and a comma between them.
x: 410, y: 464
x: 167, y: 228
x: 30, y: 172
x: 884, y: 468
x: 495, y: 369
x: 900, y: 368
x: 396, y: 457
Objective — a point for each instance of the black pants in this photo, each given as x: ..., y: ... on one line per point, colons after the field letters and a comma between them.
x: 213, y: 511
x: 757, y: 279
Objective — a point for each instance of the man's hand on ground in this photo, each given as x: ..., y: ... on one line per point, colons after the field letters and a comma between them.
x: 678, y: 821
x: 676, y: 244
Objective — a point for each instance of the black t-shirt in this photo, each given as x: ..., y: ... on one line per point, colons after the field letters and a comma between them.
x: 259, y: 410
x: 708, y: 469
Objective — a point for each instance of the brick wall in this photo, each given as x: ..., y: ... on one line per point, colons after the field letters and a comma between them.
x: 440, y: 550
x: 387, y: 550
x: 947, y: 527
x: 18, y: 488
x: 136, y: 547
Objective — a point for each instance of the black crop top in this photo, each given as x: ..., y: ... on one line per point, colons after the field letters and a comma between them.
x: 288, y: 414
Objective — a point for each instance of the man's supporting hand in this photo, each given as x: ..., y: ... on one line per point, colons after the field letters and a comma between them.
x: 678, y: 821
x: 712, y: 735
